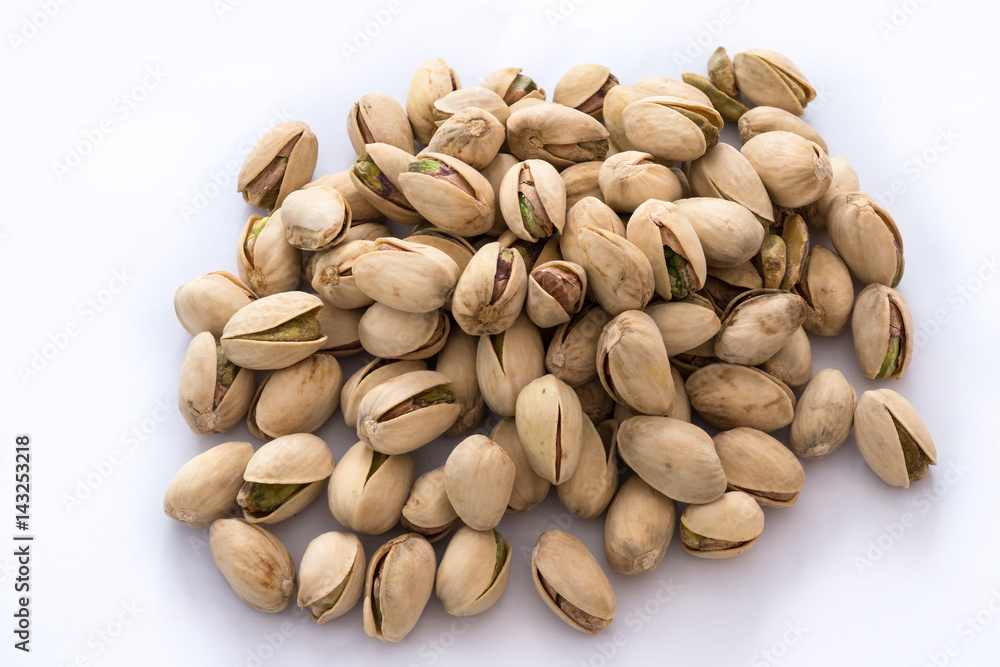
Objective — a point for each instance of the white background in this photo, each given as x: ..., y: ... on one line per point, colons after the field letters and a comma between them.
x: 836, y: 580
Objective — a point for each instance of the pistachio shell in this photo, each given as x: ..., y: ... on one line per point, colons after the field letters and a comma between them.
x: 530, y: 488
x: 428, y: 511
x: 767, y: 78
x: 479, y: 478
x: 507, y: 362
x: 628, y: 179
x: 793, y: 363
x: 374, y: 373
x: 633, y: 366
x: 638, y: 527
x: 272, y: 263
x: 199, y: 389
x: 362, y: 212
x: 395, y: 334
x: 596, y: 403
x: 457, y: 362
x: 729, y: 233
x: 823, y: 415
x: 757, y: 324
x: 340, y: 326
x: 261, y: 316
x: 298, y: 165
x: 380, y: 428
x: 588, y: 212
x: 463, y: 98
x: 468, y: 581
x: 207, y: 303
x: 391, y: 162
x: 665, y: 235
x: 554, y: 133
x: 300, y: 458
x: 735, y: 520
x: 866, y: 238
x: 205, y: 488
x: 662, y: 125
x: 683, y: 325
x: 471, y: 135
x: 615, y: 103
x: 512, y: 86
x: 476, y: 306
x: 377, y: 117
x: 316, y: 218
x: 844, y: 180
x: 571, y: 582
x: 331, y: 575
x: 880, y: 419
x: 333, y: 275
x: 406, y: 276
x: 584, y: 88
x: 760, y: 466
x: 445, y: 204
x: 729, y: 396
x: 658, y: 85
x: 618, y: 272
x: 535, y: 186
x: 882, y: 327
x: 253, y: 561
x: 450, y: 244
x: 582, y: 180
x: 367, y: 490
x: 549, y: 424
x: 763, y: 119
x: 594, y: 482
x: 572, y: 353
x: 297, y: 399
x: 724, y: 173
x: 398, y: 585
x: 556, y: 291
x: 432, y: 81
x: 794, y: 170
x: 828, y: 290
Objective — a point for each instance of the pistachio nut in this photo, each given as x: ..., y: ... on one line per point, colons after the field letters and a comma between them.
x: 550, y: 425
x: 724, y: 173
x: 768, y: 78
x: 844, y: 180
x: 257, y: 566
x: 530, y: 488
x: 782, y: 258
x: 794, y: 170
x: 274, y: 332
x: 463, y: 98
x: 490, y: 292
x: 297, y: 399
x: 479, y: 479
x: 375, y: 175
x: 450, y: 244
x: 758, y: 323
x: 432, y: 81
x: 280, y: 163
x: 333, y: 274
x: 331, y: 575
x: 494, y: 173
x: 658, y: 85
x: 588, y: 212
x: 506, y: 362
x: 684, y: 325
x: 398, y: 585
x: 596, y: 403
x: 449, y: 193
x: 205, y: 488
x: 571, y: 582
x: 618, y: 271
x: 362, y: 212
x: 556, y: 292
x: 283, y: 477
x: 892, y: 439
x: 615, y: 103
x: 533, y: 200
x: 557, y: 134
x: 315, y: 218
x: 265, y: 260
x: 368, y: 376
x: 663, y: 233
x: 866, y: 238
x: 681, y: 406
x: 340, y: 326
x: 638, y: 527
x: 582, y: 180
x: 407, y: 276
x: 633, y: 366
x: 760, y: 466
x: 396, y: 334
x: 368, y: 489
x: 823, y: 415
x: 378, y: 118
x: 428, y: 511
x: 883, y: 333
x: 727, y: 105
x: 214, y: 393
x: 720, y: 71
x: 793, y: 363
x: 406, y: 412
x: 676, y: 458
x: 472, y: 135
x: 630, y: 178
x: 729, y: 396
x: 763, y: 119
x: 572, y: 353
x: 729, y: 233
x: 672, y: 129
x: 512, y: 86
x: 207, y: 303
x: 828, y: 290
x: 584, y: 88
x: 724, y: 284
x: 532, y: 252
x: 457, y: 362
x: 473, y: 571
x: 723, y: 528
x: 594, y: 482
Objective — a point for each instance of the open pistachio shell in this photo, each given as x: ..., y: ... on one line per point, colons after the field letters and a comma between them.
x: 265, y: 260
x: 479, y: 478
x: 768, y: 78
x: 398, y: 585
x: 582, y: 180
x: 760, y: 466
x: 615, y: 103
x: 723, y: 172
x: 729, y: 233
x: 618, y: 272
x: 432, y: 81
x: 724, y: 284
x: 457, y: 362
x: 368, y: 489
x: 299, y: 460
x: 729, y: 396
x: 207, y: 303
x: 396, y: 334
x: 506, y: 362
x: 757, y: 324
x: 556, y: 291
x: 473, y: 571
x: 490, y: 292
x: 794, y: 170
x: 530, y: 488
x: 406, y: 412
x: 205, y: 488
x: 316, y: 218
x: 638, y: 527
x: 844, y: 180
x: 594, y: 482
x: 550, y: 426
x: 571, y: 583
x: 882, y: 327
x: 866, y: 238
x: 254, y: 562
x: 630, y: 178
x: 823, y: 415
x: 377, y: 117
x: 663, y: 233
x: 362, y: 212
x: 793, y: 363
x: 658, y: 85
x: 763, y: 119
x: 450, y: 244
x: 723, y: 528
x: 672, y: 129
x: 684, y: 325
x: 512, y: 86
x: 532, y: 252
x: 331, y: 575
x: 449, y: 193
x: 280, y: 163
x: 892, y: 439
x: 472, y: 135
x: 406, y: 276
x: 828, y: 290
x: 533, y: 200
x: 572, y: 353
x: 372, y: 374
x: 463, y: 98
x: 633, y: 366
x: 676, y: 458
x: 274, y: 332
x: 297, y: 399
x: 333, y: 274
x: 588, y: 212
x: 340, y: 326
x: 375, y: 175
x: 584, y: 88
x: 557, y: 134
x: 428, y: 511
x: 214, y: 394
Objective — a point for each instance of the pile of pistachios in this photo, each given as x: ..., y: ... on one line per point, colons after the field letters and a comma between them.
x: 593, y: 271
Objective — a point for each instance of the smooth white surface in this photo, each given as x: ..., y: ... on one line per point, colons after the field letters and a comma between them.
x: 836, y: 580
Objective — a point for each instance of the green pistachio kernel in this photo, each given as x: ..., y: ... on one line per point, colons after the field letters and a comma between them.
x: 301, y: 328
